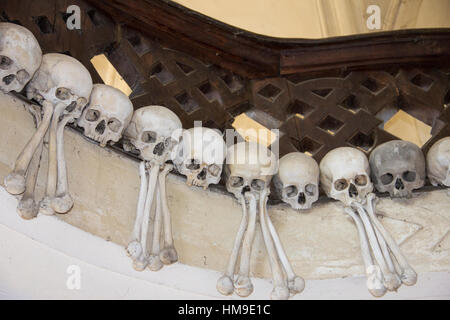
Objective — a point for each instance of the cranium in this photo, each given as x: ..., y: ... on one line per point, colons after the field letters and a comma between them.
x: 345, y: 175
x: 438, y: 162
x: 61, y: 79
x: 154, y: 131
x: 250, y: 167
x: 20, y: 56
x: 202, y: 152
x: 297, y: 181
x: 107, y: 115
x: 397, y: 167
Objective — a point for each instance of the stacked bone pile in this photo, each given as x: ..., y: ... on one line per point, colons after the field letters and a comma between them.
x: 62, y: 88
x: 61, y: 85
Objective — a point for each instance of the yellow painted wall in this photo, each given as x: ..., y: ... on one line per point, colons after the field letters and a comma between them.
x: 322, y: 18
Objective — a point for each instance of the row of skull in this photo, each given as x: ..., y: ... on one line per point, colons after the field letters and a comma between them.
x: 105, y: 113
x: 64, y: 89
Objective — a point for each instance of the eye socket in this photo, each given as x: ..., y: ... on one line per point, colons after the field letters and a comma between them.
x: 22, y: 76
x: 92, y: 115
x: 5, y: 62
x: 8, y: 79
x: 310, y: 189
x: 361, y: 180
x: 149, y: 136
x: 340, y: 184
x: 62, y: 93
x: 236, y: 182
x: 386, y: 178
x: 114, y: 124
x: 193, y: 164
x: 290, y: 191
x: 409, y: 176
x: 71, y: 106
x: 257, y: 184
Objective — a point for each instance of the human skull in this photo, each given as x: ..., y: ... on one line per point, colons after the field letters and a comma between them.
x: 107, y: 115
x: 297, y: 180
x: 250, y: 167
x: 345, y: 175
x: 20, y: 56
x: 397, y: 167
x: 154, y: 131
x: 438, y: 162
x: 61, y: 79
x: 201, y: 154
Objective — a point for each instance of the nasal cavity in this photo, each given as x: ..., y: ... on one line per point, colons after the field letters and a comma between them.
x: 245, y: 189
x: 8, y: 79
x: 352, y: 191
x: 301, y: 198
x: 202, y: 174
x: 100, y: 128
x: 159, y: 149
x: 399, y: 184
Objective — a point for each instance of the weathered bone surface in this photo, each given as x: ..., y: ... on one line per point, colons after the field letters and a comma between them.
x: 168, y: 254
x: 250, y: 168
x: 297, y: 180
x: 373, y: 272
x: 134, y: 248
x: 200, y: 156
x: 154, y: 131
x: 407, y: 274
x: 45, y: 206
x: 397, y: 167
x: 438, y: 162
x: 345, y: 175
x: 20, y: 56
x: 65, y: 83
x: 280, y: 288
x: 15, y: 181
x: 107, y: 115
x: 61, y: 78
x: 225, y: 283
x: 27, y: 207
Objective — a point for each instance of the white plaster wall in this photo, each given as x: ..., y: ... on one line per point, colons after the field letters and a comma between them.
x: 34, y: 257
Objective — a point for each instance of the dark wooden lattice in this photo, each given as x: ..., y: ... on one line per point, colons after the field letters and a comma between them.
x: 315, y: 112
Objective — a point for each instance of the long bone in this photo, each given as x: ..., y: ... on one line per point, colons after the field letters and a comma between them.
x: 243, y: 285
x: 141, y: 262
x: 154, y: 262
x: 225, y: 283
x: 296, y: 284
x: 168, y: 254
x: 45, y: 206
x: 374, y: 277
x: 15, y: 181
x: 280, y: 290
x: 408, y: 276
x: 134, y: 248
x: 62, y: 202
x: 27, y: 207
x: 387, y: 257
x: 390, y: 279
x: 393, y: 267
